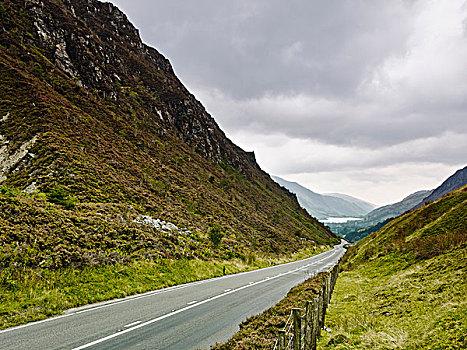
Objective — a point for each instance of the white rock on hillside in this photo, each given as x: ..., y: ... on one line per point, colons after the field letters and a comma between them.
x: 161, y: 225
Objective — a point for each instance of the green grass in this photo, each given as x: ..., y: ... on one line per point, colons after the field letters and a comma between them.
x: 396, y: 302
x: 91, y: 151
x: 405, y: 286
x: 28, y: 294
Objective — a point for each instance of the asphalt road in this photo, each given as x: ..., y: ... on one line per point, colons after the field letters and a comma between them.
x: 189, y: 316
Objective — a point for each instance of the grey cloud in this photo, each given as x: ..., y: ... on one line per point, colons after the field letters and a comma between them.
x: 339, y: 122
x: 257, y: 52
x: 243, y: 47
x: 368, y: 84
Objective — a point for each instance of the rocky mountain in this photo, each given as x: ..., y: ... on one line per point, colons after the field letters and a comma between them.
x: 105, y: 157
x: 325, y: 206
x: 455, y: 181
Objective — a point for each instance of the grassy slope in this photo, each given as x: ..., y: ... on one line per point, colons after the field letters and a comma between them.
x: 405, y: 285
x: 113, y: 154
x: 402, y: 287
x: 397, y: 303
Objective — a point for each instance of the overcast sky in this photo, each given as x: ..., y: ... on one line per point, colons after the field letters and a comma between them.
x: 367, y: 98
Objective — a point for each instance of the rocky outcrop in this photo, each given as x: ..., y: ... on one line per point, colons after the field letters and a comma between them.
x: 95, y: 44
x: 161, y: 225
x: 10, y: 161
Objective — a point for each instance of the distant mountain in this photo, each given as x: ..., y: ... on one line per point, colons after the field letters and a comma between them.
x: 366, y: 206
x: 395, y: 209
x: 455, y: 181
x: 375, y: 219
x: 325, y: 206
x: 353, y: 229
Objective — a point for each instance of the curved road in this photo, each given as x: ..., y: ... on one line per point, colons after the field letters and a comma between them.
x: 190, y: 316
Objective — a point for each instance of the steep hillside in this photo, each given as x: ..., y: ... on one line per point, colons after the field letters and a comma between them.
x: 395, y: 209
x: 91, y: 111
x: 404, y: 286
x: 350, y: 230
x: 107, y: 159
x: 455, y: 181
x: 325, y: 206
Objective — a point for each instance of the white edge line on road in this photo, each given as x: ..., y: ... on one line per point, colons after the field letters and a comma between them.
x: 132, y: 324
x: 159, y: 291
x: 114, y: 335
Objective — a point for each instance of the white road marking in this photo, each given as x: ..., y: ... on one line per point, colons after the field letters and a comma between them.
x: 169, y: 289
x: 227, y: 290
x: 101, y: 340
x: 191, y: 302
x: 132, y: 324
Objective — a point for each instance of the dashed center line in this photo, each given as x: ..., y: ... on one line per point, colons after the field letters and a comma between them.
x: 191, y: 302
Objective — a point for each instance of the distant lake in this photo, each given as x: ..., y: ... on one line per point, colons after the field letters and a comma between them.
x: 338, y: 220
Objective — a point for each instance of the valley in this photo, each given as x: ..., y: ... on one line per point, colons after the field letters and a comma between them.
x: 129, y: 219
x: 114, y: 180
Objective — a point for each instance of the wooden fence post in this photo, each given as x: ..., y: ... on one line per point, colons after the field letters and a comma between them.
x: 314, y: 334
x: 336, y: 273
x: 320, y: 310
x: 308, y: 325
x: 314, y: 316
x: 326, y: 295
x: 282, y: 344
x: 297, y: 329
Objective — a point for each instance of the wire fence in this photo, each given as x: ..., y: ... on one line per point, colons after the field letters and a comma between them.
x: 302, y: 330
